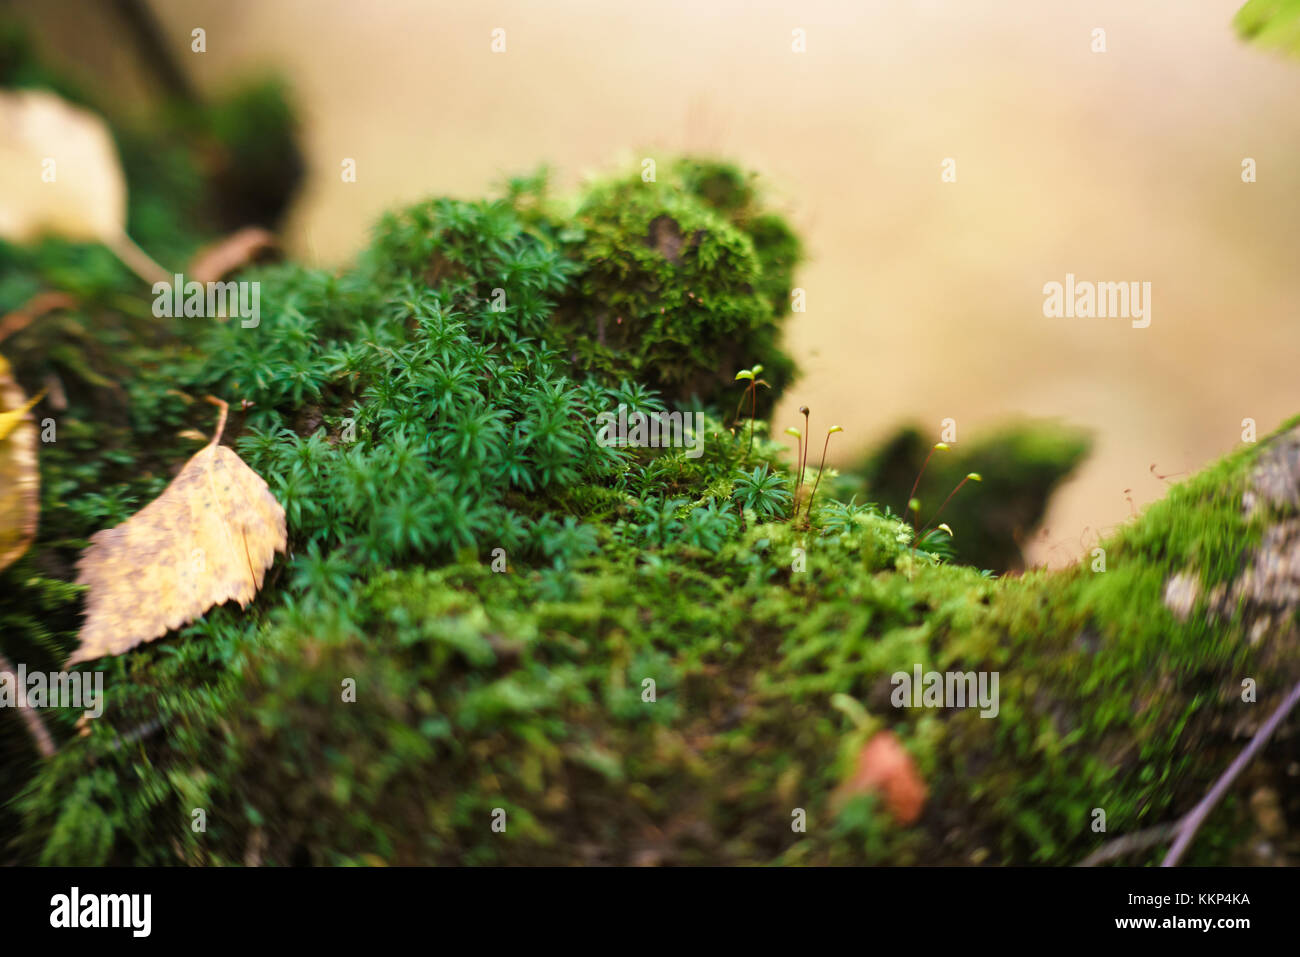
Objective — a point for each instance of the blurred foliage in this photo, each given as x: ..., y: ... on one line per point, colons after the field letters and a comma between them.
x: 117, y: 369
x: 1021, y: 465
x: 1274, y: 24
x: 195, y: 170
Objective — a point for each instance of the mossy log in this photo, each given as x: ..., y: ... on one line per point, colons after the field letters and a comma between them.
x: 1124, y: 690
x: 499, y: 641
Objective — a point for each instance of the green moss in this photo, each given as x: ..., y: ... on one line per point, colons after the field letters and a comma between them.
x: 1021, y: 465
x: 681, y: 283
x: 522, y: 691
x: 735, y: 196
x: 412, y: 421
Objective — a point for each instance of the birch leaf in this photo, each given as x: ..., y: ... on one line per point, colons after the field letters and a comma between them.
x: 207, y: 539
x: 40, y: 133
x: 19, y: 477
x: 62, y: 177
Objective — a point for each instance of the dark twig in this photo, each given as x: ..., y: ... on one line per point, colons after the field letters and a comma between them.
x: 35, y: 727
x: 1137, y: 841
x: 1189, y: 825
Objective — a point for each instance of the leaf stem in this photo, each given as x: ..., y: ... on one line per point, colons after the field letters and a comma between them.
x: 221, y: 422
x: 136, y: 259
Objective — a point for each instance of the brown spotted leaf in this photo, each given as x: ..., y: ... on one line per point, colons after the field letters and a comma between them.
x: 207, y: 539
x: 19, y: 477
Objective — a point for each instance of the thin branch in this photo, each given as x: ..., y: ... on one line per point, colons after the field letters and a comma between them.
x: 1137, y: 841
x: 1189, y: 825
x: 139, y: 733
x: 221, y: 422
x: 1184, y: 829
x: 35, y: 727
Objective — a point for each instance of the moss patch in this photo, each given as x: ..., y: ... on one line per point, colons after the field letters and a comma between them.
x: 632, y: 653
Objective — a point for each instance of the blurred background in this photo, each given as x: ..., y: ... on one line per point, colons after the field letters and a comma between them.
x: 924, y: 298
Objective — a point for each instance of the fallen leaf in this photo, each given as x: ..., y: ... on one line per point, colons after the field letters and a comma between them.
x: 10, y: 419
x: 32, y: 309
x: 62, y: 177
x: 886, y: 769
x: 82, y: 194
x: 207, y: 539
x: 19, y: 476
x: 240, y: 248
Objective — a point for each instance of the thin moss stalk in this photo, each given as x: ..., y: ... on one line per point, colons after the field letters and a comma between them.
x: 820, y: 468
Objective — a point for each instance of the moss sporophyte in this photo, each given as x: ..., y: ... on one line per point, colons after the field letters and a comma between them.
x: 751, y: 376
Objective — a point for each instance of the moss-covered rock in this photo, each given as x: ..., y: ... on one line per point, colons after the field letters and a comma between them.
x: 681, y: 283
x: 635, y: 655
x: 525, y: 691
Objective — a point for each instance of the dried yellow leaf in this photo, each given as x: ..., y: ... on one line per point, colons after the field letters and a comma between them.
x: 19, y: 476
x: 9, y: 420
x: 207, y: 539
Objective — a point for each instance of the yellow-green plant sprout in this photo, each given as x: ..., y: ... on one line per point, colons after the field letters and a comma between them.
x: 970, y: 477
x: 750, y: 376
x: 913, y: 505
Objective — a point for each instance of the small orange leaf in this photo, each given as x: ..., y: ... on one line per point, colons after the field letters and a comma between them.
x: 239, y: 249
x: 885, y: 768
x: 33, y: 309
